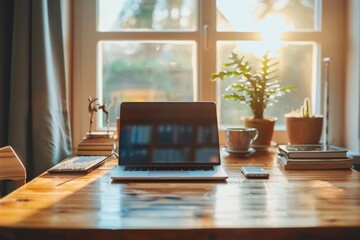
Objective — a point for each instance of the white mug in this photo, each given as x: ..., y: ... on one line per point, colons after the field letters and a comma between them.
x: 240, y: 139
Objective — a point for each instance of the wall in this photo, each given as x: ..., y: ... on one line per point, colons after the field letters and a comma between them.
x: 333, y: 46
x: 352, y: 98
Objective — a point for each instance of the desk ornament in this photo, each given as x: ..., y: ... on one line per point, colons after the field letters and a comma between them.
x: 93, y: 107
x: 97, y: 143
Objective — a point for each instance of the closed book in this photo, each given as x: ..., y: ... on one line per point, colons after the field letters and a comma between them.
x: 101, y: 135
x: 314, y: 164
x: 98, y: 140
x: 94, y: 152
x: 86, y: 143
x: 312, y: 151
x: 97, y: 146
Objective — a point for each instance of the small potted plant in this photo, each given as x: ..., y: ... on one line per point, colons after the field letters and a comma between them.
x: 302, y: 126
x: 258, y: 87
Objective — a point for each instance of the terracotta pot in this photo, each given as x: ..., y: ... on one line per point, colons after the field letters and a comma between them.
x: 304, y: 130
x: 265, y: 128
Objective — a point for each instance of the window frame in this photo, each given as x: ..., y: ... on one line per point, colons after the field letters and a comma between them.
x: 206, y: 36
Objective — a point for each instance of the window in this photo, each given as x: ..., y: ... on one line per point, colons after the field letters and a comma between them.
x: 166, y: 50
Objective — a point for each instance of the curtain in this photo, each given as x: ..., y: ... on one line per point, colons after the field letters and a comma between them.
x: 34, y: 109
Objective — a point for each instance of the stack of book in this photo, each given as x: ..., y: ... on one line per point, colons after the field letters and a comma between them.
x: 95, y: 144
x: 313, y: 157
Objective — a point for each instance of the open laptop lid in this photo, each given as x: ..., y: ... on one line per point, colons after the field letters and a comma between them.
x: 168, y: 133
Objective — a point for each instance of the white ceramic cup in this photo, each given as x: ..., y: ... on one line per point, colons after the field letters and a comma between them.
x: 240, y: 139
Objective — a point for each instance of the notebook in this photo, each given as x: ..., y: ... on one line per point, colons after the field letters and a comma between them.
x: 168, y: 141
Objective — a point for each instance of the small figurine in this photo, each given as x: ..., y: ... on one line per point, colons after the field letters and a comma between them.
x: 94, y: 107
x: 103, y: 107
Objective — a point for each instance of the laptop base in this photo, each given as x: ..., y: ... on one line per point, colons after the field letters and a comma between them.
x: 119, y: 174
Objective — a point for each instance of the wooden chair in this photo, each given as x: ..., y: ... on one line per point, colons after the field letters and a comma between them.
x: 11, y: 168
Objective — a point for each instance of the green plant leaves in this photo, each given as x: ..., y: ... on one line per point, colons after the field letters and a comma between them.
x: 257, y: 89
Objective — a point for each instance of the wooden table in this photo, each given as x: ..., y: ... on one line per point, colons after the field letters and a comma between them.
x: 289, y: 205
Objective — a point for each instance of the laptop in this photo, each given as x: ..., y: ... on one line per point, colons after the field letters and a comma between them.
x: 168, y: 141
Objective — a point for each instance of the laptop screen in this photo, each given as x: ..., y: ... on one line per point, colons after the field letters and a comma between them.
x: 168, y: 133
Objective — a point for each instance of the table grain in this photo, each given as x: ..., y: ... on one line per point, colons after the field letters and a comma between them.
x: 289, y: 205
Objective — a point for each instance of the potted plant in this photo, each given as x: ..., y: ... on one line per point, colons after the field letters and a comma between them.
x: 302, y: 126
x: 256, y: 87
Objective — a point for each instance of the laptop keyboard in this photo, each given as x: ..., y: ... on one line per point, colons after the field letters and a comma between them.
x: 204, y: 168
x: 78, y: 164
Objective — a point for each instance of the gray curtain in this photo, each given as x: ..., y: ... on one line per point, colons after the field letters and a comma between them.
x: 33, y: 101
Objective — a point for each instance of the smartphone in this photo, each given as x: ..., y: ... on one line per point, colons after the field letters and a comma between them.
x: 254, y: 172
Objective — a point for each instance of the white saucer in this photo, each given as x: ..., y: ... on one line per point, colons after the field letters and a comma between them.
x: 264, y: 147
x: 237, y: 153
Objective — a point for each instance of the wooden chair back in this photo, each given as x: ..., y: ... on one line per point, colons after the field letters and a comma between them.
x: 11, y: 167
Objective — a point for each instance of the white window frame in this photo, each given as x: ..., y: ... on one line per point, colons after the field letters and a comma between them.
x: 85, y: 55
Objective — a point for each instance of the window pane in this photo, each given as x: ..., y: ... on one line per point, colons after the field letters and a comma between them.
x: 295, y: 68
x: 259, y: 15
x: 145, y: 71
x: 147, y: 15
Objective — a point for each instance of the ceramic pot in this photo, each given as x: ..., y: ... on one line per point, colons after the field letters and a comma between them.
x: 265, y: 128
x: 304, y: 130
